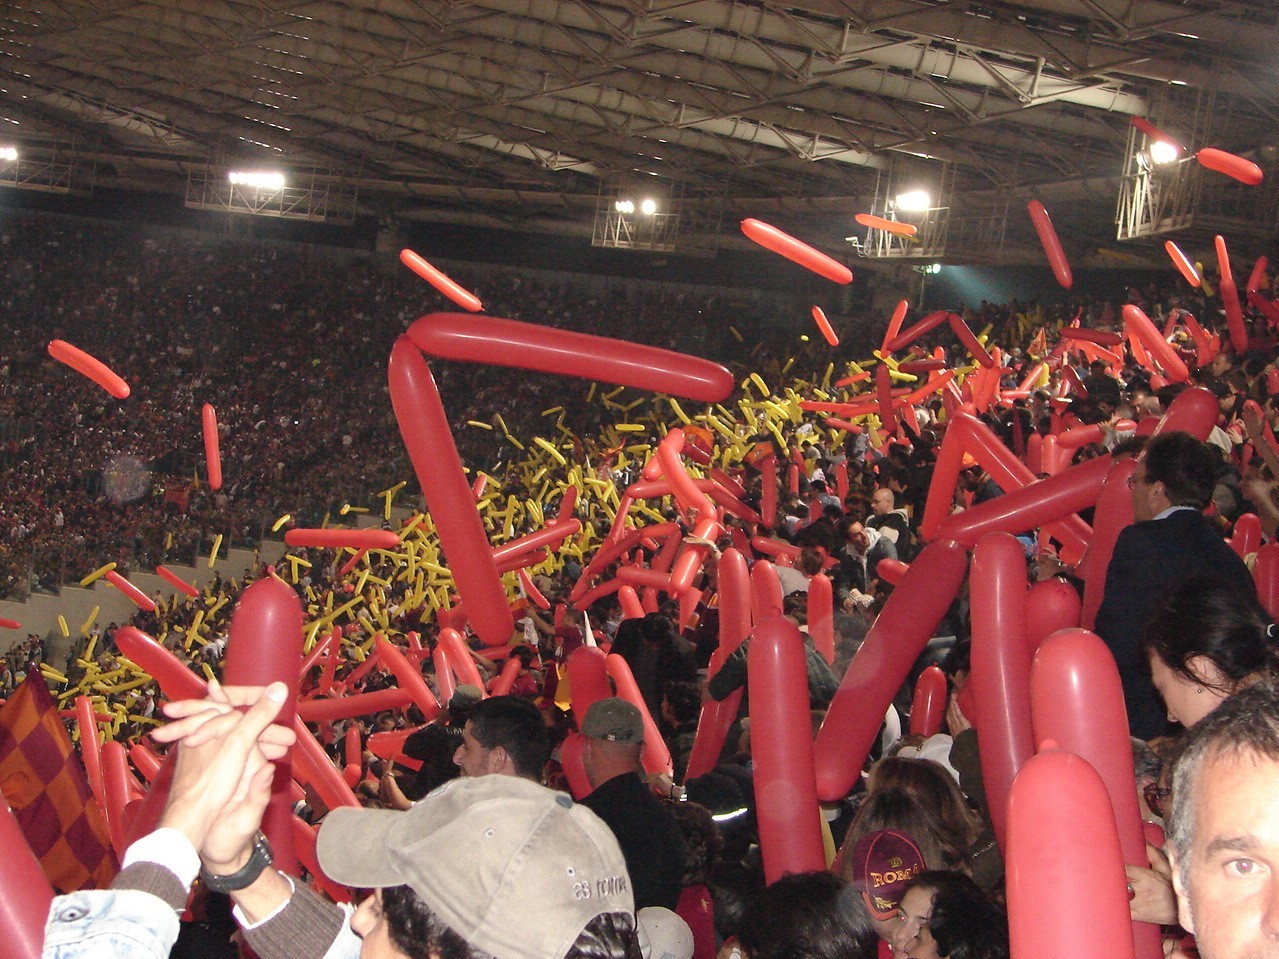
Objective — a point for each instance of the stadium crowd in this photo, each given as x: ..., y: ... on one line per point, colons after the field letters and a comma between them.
x: 914, y: 866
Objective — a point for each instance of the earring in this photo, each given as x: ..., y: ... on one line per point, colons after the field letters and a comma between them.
x: 1199, y: 689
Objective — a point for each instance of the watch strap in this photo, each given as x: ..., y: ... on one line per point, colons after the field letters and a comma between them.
x: 260, y: 857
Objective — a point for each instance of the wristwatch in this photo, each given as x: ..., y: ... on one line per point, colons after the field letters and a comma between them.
x: 259, y: 858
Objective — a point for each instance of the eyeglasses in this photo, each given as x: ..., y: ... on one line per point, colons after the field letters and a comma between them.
x: 1155, y: 796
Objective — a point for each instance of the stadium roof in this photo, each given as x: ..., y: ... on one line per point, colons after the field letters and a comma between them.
x: 513, y: 112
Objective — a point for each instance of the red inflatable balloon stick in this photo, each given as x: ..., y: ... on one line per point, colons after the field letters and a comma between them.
x: 790, y: 834
x: 460, y: 658
x: 1194, y: 411
x: 656, y: 757
x: 1001, y: 669
x: 1174, y: 368
x: 1182, y: 263
x: 1064, y: 865
x: 1113, y: 513
x: 1077, y: 701
x: 176, y: 581
x: 1051, y: 244
x: 824, y: 327
x: 821, y: 615
x: 928, y: 709
x: 455, y: 292
x: 1235, y: 167
x: 25, y: 893
x: 408, y: 677
x: 1247, y: 535
x: 1051, y: 604
x: 574, y: 767
x: 1230, y: 299
x: 894, y: 324
x: 587, y: 671
x: 89, y: 366
x: 265, y: 646
x: 881, y: 665
x: 768, y: 491
x: 139, y: 598
x: 425, y: 428
x: 766, y: 591
x: 888, y: 226
x: 212, y: 458
x: 500, y: 342
x: 734, y: 626
x: 1265, y: 573
x: 336, y: 538
x: 783, y: 244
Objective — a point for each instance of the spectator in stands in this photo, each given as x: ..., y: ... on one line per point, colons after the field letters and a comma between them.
x: 506, y: 736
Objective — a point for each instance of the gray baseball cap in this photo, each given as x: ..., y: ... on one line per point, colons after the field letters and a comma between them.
x: 616, y: 720
x: 514, y: 868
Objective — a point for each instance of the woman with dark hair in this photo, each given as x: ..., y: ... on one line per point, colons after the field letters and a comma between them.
x: 808, y: 915
x: 1206, y: 641
x: 945, y: 915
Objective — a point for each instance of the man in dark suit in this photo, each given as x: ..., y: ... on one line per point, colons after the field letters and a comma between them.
x: 1168, y: 541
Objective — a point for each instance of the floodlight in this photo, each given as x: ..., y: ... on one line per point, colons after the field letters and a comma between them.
x: 8, y: 154
x: 625, y: 207
x: 1161, y: 151
x: 648, y: 207
x: 272, y: 180
x: 914, y: 201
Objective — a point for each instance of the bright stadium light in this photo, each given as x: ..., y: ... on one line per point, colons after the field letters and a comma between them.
x: 624, y: 206
x: 8, y: 154
x: 648, y: 207
x: 1161, y: 151
x: 914, y: 201
x: 272, y: 180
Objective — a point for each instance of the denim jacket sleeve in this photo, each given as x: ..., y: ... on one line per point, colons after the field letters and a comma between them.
x: 110, y: 924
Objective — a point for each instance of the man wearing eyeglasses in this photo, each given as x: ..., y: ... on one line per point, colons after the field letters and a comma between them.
x: 1168, y: 541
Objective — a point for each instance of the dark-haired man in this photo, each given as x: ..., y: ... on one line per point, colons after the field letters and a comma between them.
x: 505, y: 735
x: 1168, y: 541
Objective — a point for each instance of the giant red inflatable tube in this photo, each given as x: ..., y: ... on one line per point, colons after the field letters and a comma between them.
x: 460, y: 658
x: 90, y: 747
x: 970, y: 341
x: 1051, y: 604
x: 1078, y: 702
x: 1230, y: 299
x: 1246, y: 537
x: 25, y: 893
x: 1047, y: 501
x: 915, y: 331
x: 821, y: 615
x: 894, y: 325
x: 734, y: 627
x: 888, y: 226
x: 409, y: 677
x: 337, y: 537
x: 1182, y: 263
x: 882, y: 663
x: 89, y: 366
x: 551, y: 535
x: 495, y: 341
x: 139, y: 598
x: 442, y: 282
x: 176, y: 581
x: 656, y: 757
x: 783, y: 244
x: 884, y: 396
x: 1049, y: 241
x: 1064, y: 866
x: 1000, y: 669
x: 330, y: 709
x: 768, y: 491
x: 1265, y: 573
x: 212, y: 458
x: 928, y: 708
x: 1235, y: 167
x: 265, y: 646
x: 176, y: 681
x: 790, y: 835
x: 425, y: 429
x: 1160, y: 350
x: 587, y: 671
